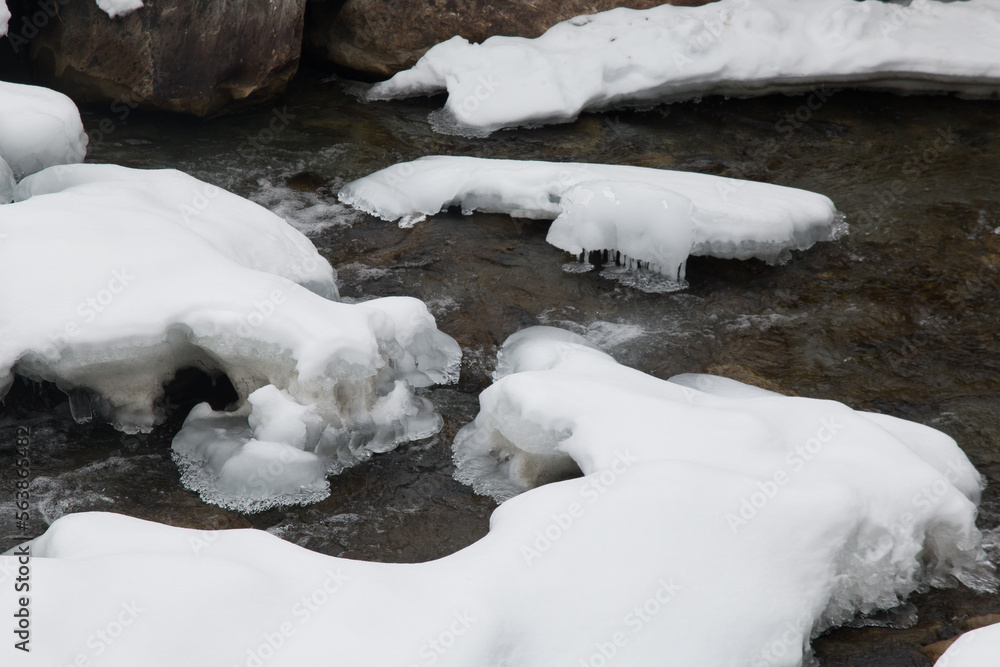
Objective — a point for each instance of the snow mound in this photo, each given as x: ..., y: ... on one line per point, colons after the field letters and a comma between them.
x: 651, y: 217
x: 114, y: 8
x: 38, y: 128
x: 148, y: 272
x: 978, y: 648
x: 731, y: 47
x: 560, y: 407
x: 633, y: 562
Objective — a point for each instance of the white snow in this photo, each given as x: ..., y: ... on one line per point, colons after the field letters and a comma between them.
x: 636, y: 563
x: 978, y: 648
x: 115, y: 8
x: 135, y: 274
x: 4, y: 17
x: 732, y: 47
x: 650, y: 215
x: 38, y: 128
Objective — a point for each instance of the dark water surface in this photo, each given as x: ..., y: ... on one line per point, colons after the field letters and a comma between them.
x: 900, y: 316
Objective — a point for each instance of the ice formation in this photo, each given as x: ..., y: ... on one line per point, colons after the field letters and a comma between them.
x: 653, y: 216
x: 38, y: 128
x: 638, y: 561
x: 147, y: 272
x: 979, y: 648
x: 731, y: 47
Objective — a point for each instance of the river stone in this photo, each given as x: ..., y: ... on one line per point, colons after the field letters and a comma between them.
x: 201, y: 57
x: 377, y: 38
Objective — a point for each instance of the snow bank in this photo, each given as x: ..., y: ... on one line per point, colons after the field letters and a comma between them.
x: 146, y: 272
x: 115, y: 8
x: 559, y: 405
x: 38, y: 128
x: 732, y: 47
x: 652, y: 216
x: 978, y: 648
x: 638, y: 562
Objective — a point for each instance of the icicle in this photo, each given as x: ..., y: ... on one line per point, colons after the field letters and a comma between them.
x: 80, y: 406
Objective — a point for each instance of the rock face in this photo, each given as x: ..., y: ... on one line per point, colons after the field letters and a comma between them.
x: 378, y: 38
x: 202, y: 57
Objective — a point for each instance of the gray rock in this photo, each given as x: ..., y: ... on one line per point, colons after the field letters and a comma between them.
x: 201, y: 57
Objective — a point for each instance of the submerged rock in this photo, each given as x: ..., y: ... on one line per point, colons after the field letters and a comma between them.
x: 381, y: 37
x: 201, y: 58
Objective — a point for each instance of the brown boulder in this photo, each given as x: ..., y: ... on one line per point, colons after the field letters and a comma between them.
x: 202, y: 57
x: 377, y: 38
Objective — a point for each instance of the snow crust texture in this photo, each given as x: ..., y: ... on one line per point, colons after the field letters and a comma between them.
x: 147, y: 272
x: 650, y: 216
x: 732, y: 47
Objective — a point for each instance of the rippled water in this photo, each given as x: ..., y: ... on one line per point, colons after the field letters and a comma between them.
x: 900, y: 316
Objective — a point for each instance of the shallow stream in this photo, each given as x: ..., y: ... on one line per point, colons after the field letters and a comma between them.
x: 899, y: 316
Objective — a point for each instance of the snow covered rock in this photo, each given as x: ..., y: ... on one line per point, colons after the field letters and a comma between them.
x: 653, y: 216
x: 153, y: 271
x: 105, y: 52
x: 38, y: 128
x: 381, y: 37
x: 732, y: 47
x: 978, y: 648
x: 635, y: 561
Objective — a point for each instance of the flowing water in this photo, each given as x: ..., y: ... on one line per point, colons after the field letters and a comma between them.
x: 899, y: 316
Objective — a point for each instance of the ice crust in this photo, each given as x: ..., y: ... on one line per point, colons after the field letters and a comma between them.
x: 732, y: 47
x: 136, y: 274
x: 653, y: 216
x: 638, y: 560
x: 39, y: 128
